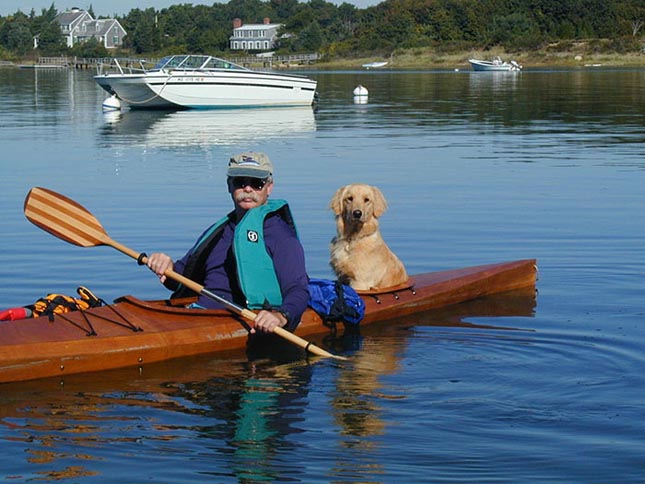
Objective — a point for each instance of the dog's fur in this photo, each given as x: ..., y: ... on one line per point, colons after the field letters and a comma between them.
x: 359, y: 255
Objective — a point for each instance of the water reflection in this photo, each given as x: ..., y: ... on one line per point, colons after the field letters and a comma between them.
x: 203, y: 128
x: 361, y: 391
x: 225, y: 413
x: 453, y: 101
x: 245, y: 410
x: 465, y: 404
x: 494, y: 81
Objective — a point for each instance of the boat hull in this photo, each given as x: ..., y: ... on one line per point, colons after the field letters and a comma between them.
x: 374, y: 65
x: 479, y: 65
x: 207, y: 90
x: 133, y: 332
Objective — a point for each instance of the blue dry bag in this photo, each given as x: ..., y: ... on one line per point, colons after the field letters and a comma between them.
x: 335, y: 302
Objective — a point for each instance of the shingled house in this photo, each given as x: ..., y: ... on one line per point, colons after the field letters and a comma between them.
x: 254, y: 36
x: 78, y: 26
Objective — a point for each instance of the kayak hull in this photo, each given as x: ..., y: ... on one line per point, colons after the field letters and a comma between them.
x: 133, y: 332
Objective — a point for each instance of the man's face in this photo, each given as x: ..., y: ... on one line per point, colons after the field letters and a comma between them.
x: 249, y: 192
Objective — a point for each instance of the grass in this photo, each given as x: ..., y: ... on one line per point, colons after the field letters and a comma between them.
x: 428, y: 58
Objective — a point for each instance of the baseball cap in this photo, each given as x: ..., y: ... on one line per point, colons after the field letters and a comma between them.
x: 250, y: 163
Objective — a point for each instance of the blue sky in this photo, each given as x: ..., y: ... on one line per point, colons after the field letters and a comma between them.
x: 120, y: 7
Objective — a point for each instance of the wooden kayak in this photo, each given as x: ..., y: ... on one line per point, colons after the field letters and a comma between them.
x: 132, y: 332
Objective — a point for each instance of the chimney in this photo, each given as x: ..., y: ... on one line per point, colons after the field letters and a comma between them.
x: 237, y: 23
x: 266, y: 20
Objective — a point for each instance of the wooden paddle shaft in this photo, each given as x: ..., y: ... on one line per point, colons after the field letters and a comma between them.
x: 69, y: 221
x: 245, y: 313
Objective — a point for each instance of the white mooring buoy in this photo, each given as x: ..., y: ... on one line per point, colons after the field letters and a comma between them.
x: 360, y: 91
x: 360, y: 95
x: 112, y: 104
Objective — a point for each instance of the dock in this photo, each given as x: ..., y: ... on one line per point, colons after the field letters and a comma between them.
x: 278, y: 61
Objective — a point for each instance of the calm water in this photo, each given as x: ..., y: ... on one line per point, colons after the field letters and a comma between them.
x: 477, y: 168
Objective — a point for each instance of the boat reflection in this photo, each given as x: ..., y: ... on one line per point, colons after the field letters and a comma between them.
x: 493, y: 81
x: 204, y: 127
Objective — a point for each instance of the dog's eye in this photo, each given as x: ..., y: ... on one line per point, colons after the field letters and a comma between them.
x: 367, y: 200
x: 350, y: 199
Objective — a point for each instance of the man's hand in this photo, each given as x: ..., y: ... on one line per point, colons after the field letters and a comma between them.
x: 267, y: 321
x: 159, y: 263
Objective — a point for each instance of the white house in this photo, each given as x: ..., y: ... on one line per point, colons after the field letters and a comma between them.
x: 254, y: 36
x: 78, y: 26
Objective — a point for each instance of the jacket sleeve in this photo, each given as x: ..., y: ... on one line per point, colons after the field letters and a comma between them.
x: 289, y: 262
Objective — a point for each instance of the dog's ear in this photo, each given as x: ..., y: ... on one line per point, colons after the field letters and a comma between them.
x: 336, y: 203
x: 380, y: 205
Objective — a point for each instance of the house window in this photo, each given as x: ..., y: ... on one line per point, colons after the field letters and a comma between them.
x: 115, y: 40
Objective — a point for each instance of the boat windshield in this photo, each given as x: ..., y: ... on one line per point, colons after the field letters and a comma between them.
x: 194, y: 62
x: 188, y: 62
x: 215, y: 63
x: 162, y: 62
x: 170, y: 62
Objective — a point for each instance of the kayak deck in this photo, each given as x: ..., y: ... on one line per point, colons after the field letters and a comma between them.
x: 132, y: 332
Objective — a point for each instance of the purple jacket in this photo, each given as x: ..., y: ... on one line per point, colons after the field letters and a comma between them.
x: 288, y: 259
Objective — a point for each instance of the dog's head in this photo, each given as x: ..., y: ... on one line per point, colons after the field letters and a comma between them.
x: 358, y: 204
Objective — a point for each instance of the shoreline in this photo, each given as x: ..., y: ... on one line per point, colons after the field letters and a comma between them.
x: 431, y: 59
x: 426, y: 58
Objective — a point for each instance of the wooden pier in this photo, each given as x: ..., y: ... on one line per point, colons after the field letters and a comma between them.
x: 71, y: 62
x: 267, y: 61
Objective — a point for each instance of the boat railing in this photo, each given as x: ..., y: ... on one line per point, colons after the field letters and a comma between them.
x: 125, y: 65
x: 141, y: 66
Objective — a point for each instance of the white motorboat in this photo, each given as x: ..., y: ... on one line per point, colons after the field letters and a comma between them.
x: 202, y: 81
x: 497, y: 64
x: 374, y: 65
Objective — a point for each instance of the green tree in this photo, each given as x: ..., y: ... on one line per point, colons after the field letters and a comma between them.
x: 51, y: 40
x: 325, y: 26
x: 91, y: 48
x: 250, y: 11
x: 311, y: 38
x: 143, y: 35
x: 509, y: 29
x: 18, y: 37
x: 284, y: 9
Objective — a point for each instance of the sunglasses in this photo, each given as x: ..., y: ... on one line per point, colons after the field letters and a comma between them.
x: 247, y: 181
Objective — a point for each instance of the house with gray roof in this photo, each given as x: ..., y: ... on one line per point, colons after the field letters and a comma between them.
x: 78, y: 26
x: 254, y: 36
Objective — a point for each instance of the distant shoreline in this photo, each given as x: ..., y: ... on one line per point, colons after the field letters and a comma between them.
x: 433, y: 59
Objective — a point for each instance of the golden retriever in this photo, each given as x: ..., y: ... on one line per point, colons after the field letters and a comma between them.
x: 359, y: 255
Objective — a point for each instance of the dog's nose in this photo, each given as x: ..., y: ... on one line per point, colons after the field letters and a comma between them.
x: 357, y: 214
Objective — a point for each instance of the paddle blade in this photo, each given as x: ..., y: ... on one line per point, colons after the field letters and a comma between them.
x: 64, y: 218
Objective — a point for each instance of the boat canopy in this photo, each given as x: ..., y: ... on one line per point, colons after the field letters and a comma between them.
x: 194, y: 62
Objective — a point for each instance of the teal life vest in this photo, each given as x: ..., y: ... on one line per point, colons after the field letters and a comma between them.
x: 255, y: 272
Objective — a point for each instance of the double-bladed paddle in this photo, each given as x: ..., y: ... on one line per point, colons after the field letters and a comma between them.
x: 73, y: 223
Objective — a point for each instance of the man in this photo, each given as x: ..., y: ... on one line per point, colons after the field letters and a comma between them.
x: 252, y: 256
